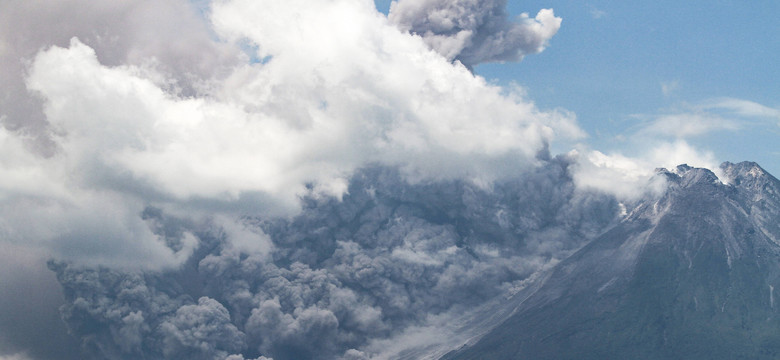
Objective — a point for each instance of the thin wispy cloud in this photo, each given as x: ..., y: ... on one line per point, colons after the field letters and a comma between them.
x: 687, y: 125
x: 663, y: 140
x: 743, y: 108
x: 596, y: 13
x: 18, y: 356
x: 669, y: 87
x: 710, y: 116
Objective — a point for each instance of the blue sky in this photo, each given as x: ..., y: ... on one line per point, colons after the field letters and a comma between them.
x: 619, y: 66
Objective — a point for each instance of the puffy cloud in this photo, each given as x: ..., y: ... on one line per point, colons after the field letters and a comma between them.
x: 129, y: 32
x: 680, y: 152
x: 624, y: 177
x: 631, y: 178
x: 341, y: 88
x: 244, y: 238
x: 58, y: 201
x: 661, y: 141
x: 475, y: 31
x: 43, y: 205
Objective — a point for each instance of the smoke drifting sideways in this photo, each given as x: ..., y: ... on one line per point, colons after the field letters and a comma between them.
x: 337, y: 185
x: 344, y: 276
x: 475, y: 31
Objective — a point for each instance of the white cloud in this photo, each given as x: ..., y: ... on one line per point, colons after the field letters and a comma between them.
x: 661, y: 142
x: 18, y: 356
x: 244, y: 238
x: 722, y: 114
x: 597, y: 13
x: 621, y: 176
x: 669, y: 87
x: 631, y: 178
x: 342, y: 88
x: 163, y: 34
x: 669, y: 155
x: 743, y: 108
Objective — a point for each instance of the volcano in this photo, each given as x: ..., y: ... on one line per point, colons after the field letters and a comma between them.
x: 689, y: 275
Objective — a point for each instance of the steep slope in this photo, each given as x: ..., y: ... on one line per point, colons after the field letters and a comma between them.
x: 345, y: 278
x: 691, y: 275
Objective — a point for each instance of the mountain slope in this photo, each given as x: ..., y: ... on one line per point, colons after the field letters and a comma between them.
x: 690, y: 276
x: 345, y: 278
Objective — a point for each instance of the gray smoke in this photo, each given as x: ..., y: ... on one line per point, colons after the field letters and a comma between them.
x: 198, y: 331
x: 135, y: 134
x: 130, y: 32
x: 342, y: 274
x: 475, y: 31
x: 147, y: 156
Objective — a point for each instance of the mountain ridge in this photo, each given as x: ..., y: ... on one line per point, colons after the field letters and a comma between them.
x: 690, y: 275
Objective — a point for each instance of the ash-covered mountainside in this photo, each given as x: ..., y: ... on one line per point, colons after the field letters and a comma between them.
x: 691, y: 275
x: 376, y: 274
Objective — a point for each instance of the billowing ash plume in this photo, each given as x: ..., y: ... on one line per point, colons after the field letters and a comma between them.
x: 475, y: 31
x: 131, y: 130
x: 342, y: 274
x: 274, y: 178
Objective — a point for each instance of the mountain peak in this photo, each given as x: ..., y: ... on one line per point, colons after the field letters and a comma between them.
x: 745, y: 173
x: 686, y: 176
x: 694, y: 278
x: 743, y: 166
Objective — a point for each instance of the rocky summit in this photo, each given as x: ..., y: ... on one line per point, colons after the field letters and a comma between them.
x: 690, y: 275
